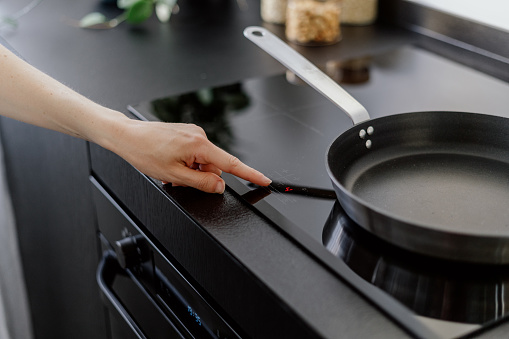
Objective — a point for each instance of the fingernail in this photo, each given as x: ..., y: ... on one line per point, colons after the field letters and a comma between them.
x: 267, y: 180
x: 219, y: 187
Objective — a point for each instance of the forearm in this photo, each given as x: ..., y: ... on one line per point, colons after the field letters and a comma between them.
x: 28, y: 95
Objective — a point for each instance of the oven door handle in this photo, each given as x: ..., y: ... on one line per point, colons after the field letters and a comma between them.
x: 106, y: 271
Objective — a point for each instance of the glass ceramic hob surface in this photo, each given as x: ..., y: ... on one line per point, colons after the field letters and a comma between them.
x: 283, y: 129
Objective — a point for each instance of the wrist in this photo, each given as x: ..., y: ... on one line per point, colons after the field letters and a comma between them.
x: 111, y: 130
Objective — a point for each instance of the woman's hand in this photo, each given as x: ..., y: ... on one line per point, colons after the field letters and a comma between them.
x: 179, y: 154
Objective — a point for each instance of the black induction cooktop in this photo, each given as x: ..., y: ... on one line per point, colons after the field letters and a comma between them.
x: 283, y: 128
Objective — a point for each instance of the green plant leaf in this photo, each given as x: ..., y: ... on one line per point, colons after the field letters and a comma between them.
x: 92, y: 19
x: 140, y: 11
x: 125, y: 4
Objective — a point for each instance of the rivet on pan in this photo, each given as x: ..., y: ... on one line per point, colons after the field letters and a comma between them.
x: 362, y: 134
x: 368, y: 144
x: 370, y: 130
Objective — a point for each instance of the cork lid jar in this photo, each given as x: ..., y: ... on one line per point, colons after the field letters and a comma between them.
x: 313, y: 22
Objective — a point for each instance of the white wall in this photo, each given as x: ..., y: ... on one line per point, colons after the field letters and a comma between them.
x: 490, y: 12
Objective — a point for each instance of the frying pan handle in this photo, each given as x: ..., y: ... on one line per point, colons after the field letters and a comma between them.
x: 308, y: 72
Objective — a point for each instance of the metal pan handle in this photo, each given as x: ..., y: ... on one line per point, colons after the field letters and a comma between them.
x: 307, y: 72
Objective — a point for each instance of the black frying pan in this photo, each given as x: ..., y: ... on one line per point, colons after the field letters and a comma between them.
x: 436, y: 183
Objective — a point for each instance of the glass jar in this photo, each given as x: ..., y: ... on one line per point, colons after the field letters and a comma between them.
x: 358, y: 12
x: 273, y: 11
x: 313, y: 22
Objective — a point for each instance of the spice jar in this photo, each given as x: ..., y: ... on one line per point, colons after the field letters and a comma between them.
x: 273, y: 11
x: 313, y: 22
x: 358, y: 12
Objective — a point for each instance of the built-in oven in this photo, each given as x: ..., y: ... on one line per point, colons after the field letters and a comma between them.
x: 145, y: 293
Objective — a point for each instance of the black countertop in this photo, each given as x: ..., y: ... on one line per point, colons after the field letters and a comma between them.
x: 127, y: 65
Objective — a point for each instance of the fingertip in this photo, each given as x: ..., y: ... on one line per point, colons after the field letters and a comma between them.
x: 265, y: 181
x: 220, y: 187
x: 259, y: 179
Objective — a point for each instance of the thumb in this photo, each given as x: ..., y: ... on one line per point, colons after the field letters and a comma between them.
x: 204, y: 181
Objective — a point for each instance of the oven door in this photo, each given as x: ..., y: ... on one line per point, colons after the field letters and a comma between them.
x: 133, y: 311
x: 145, y: 293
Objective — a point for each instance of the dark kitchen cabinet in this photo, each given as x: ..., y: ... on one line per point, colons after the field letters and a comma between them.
x: 48, y: 179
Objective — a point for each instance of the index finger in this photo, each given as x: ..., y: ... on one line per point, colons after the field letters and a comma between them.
x: 231, y: 164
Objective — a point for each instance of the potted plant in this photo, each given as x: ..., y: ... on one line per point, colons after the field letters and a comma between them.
x: 134, y: 12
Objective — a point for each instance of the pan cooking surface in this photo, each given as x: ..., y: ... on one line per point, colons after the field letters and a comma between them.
x: 453, y: 192
x: 443, y: 171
